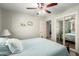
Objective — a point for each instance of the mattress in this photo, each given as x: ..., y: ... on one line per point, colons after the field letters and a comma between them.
x: 42, y: 47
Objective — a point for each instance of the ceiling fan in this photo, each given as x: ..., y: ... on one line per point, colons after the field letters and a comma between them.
x: 43, y: 6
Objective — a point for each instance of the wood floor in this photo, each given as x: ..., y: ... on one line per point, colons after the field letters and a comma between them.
x: 73, y: 53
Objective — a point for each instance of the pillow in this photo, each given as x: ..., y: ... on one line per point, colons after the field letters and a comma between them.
x: 14, y: 45
x: 4, y: 50
x: 3, y: 41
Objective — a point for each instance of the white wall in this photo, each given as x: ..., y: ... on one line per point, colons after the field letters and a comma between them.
x: 0, y: 19
x: 13, y: 20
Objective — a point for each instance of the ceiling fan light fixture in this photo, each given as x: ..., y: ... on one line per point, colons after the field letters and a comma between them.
x: 40, y: 12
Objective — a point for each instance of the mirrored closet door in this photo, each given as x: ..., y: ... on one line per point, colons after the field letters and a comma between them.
x: 69, y: 29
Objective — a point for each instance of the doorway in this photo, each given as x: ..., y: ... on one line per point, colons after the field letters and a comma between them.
x: 59, y: 31
x: 48, y: 24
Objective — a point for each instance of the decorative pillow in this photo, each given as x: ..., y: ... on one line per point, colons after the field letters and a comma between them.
x: 14, y: 45
x: 4, y: 50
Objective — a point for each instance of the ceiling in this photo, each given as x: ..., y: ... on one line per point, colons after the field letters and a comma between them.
x: 21, y: 7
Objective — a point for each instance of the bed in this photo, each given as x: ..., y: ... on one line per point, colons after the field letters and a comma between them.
x: 70, y: 37
x: 42, y: 47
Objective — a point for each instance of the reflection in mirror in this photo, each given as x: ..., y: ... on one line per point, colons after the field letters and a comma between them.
x: 59, y: 31
x: 70, y: 32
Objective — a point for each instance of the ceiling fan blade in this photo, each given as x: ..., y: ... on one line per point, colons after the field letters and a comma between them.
x: 51, y: 4
x: 48, y: 11
x: 30, y: 8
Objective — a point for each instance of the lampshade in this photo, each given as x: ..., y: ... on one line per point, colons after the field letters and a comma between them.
x: 5, y: 33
